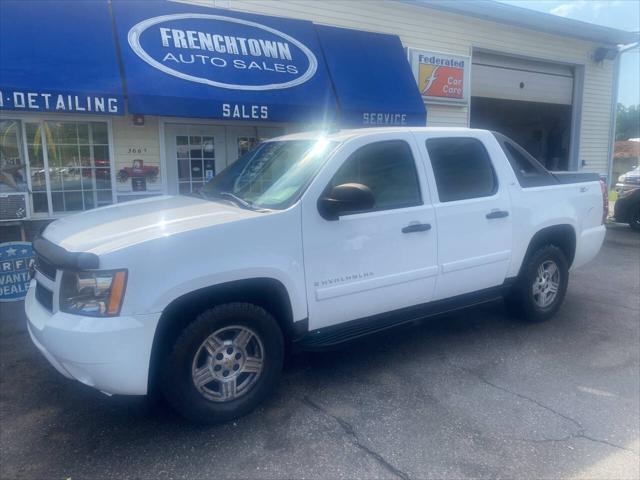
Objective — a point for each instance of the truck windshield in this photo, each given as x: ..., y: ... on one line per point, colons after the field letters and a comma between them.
x: 271, y: 176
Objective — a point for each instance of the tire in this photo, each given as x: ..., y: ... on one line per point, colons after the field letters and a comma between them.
x: 531, y: 297
x: 635, y: 219
x: 220, y: 350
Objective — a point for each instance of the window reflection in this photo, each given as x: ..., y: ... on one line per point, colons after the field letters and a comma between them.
x: 79, y: 170
x: 13, y: 176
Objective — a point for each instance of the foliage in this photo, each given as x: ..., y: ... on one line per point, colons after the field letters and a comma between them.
x: 628, y: 122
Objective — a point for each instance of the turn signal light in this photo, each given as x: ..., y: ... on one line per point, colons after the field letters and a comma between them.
x: 605, y: 200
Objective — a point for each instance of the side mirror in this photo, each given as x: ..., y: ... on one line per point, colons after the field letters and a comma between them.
x: 345, y: 198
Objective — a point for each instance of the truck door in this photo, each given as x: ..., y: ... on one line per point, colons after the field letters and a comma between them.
x: 373, y: 261
x: 473, y: 213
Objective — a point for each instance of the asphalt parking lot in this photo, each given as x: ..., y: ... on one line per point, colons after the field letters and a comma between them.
x: 474, y: 394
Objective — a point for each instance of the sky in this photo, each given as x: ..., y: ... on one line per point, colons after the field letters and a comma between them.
x: 620, y: 14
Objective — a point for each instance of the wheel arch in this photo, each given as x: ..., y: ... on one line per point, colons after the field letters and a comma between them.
x: 562, y: 236
x: 267, y: 293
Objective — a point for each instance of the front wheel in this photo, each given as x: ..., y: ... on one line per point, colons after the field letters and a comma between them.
x: 224, y: 364
x: 540, y: 289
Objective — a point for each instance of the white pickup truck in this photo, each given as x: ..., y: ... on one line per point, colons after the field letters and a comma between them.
x: 308, y: 240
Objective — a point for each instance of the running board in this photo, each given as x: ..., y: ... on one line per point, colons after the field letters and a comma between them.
x: 336, y: 334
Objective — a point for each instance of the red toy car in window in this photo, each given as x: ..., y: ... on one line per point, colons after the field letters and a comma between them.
x: 138, y: 169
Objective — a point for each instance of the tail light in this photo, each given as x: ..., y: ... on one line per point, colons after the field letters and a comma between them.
x: 605, y: 200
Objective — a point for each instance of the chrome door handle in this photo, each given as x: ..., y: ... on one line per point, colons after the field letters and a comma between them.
x: 416, y: 227
x: 497, y: 214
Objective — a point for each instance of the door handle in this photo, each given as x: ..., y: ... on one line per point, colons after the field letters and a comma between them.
x: 416, y: 227
x: 497, y: 214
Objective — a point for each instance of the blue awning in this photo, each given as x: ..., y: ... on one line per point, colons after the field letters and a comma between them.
x: 58, y: 56
x: 372, y: 78
x: 187, y: 61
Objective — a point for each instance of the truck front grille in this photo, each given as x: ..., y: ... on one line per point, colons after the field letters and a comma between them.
x: 45, y: 268
x: 44, y: 296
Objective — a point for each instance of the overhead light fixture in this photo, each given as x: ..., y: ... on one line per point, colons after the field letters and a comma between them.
x: 604, y: 53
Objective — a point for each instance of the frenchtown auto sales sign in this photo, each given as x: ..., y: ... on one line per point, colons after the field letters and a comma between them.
x: 223, y: 52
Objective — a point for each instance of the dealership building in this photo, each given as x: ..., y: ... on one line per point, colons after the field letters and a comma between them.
x: 104, y: 102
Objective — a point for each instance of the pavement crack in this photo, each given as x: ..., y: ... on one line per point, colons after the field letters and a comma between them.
x: 581, y: 431
x: 351, y: 432
x: 529, y: 399
x: 605, y: 442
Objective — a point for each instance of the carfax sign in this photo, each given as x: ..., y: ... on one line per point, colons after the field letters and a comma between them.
x: 15, y: 260
x: 441, y: 77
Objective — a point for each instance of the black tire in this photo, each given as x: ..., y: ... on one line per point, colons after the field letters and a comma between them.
x: 521, y: 301
x: 178, y: 384
x: 635, y: 219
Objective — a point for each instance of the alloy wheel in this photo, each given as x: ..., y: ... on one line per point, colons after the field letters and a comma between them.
x: 546, y: 284
x: 228, y: 363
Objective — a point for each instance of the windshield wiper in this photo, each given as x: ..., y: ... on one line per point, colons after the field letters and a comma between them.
x: 234, y: 198
x: 242, y: 202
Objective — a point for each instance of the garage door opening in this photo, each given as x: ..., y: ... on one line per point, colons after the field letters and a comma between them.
x: 543, y: 129
x: 530, y: 101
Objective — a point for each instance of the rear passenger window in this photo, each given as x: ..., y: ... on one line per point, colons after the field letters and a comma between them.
x: 518, y: 161
x: 388, y: 169
x: 528, y: 170
x: 462, y: 168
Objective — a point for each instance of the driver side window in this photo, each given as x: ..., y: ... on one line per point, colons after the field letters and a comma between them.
x: 388, y: 169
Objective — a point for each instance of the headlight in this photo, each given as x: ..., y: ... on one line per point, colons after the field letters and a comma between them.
x: 622, y: 178
x: 96, y: 294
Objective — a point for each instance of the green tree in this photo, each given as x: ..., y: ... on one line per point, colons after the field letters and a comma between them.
x: 628, y: 122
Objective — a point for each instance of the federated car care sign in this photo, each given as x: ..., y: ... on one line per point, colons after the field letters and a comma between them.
x: 441, y: 77
x: 15, y: 260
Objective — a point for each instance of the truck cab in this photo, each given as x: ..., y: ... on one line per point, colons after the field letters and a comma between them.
x: 310, y: 239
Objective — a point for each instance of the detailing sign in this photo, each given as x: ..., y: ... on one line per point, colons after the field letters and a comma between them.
x: 16, y: 258
x: 441, y: 77
x: 60, y: 102
x: 223, y: 52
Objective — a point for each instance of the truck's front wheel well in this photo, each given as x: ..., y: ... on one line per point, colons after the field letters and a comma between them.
x: 561, y: 236
x: 267, y: 293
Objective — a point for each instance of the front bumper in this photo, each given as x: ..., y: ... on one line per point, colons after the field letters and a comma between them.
x: 110, y: 354
x: 625, y: 187
x: 624, y: 207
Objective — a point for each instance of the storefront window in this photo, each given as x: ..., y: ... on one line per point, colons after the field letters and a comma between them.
x: 196, y: 161
x: 74, y: 164
x: 246, y: 144
x: 12, y: 165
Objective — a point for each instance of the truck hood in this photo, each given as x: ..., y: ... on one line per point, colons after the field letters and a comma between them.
x: 115, y: 227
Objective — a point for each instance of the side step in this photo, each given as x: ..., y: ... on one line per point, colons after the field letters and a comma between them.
x: 336, y: 334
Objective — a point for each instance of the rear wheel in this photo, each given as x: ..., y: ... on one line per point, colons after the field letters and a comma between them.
x: 224, y: 363
x: 541, y: 286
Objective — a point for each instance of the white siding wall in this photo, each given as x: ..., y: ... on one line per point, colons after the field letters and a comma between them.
x: 447, y: 115
x: 132, y: 142
x: 429, y: 29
